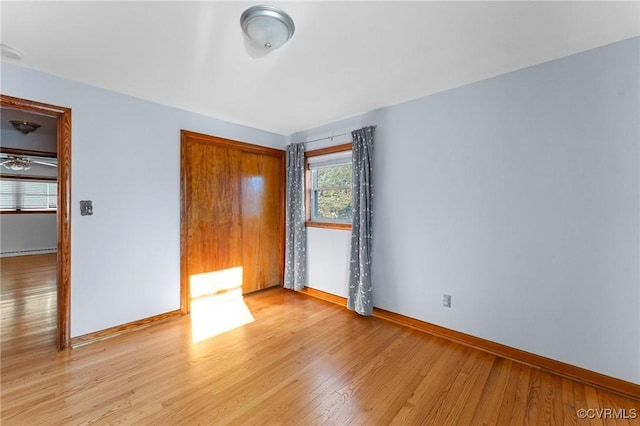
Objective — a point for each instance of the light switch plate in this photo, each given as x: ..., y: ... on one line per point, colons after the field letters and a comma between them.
x: 86, y: 208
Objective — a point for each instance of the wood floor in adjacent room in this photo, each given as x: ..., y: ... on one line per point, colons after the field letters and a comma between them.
x: 295, y: 361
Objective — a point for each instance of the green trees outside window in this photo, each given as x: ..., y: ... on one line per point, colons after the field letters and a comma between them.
x: 332, y: 193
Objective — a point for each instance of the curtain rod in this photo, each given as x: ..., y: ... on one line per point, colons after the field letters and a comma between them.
x: 332, y: 136
x: 327, y: 137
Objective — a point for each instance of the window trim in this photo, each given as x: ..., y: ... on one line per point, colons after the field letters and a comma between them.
x: 308, y: 186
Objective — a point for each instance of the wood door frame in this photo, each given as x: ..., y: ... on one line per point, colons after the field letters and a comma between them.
x: 63, y: 279
x: 185, y: 302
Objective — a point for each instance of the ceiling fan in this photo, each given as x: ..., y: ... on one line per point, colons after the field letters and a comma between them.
x: 19, y: 164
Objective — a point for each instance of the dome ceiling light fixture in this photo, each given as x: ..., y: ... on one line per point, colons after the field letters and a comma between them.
x: 25, y: 127
x: 267, y: 26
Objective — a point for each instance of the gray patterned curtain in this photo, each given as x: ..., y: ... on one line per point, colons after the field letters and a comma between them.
x: 296, y: 237
x: 360, y: 295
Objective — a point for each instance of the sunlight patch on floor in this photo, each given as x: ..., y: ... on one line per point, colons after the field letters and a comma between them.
x: 209, y: 283
x: 217, y: 305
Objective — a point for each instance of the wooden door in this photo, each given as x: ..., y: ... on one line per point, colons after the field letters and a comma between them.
x: 232, y: 221
x: 262, y: 220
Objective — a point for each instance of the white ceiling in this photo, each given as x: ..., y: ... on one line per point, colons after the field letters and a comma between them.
x: 346, y: 58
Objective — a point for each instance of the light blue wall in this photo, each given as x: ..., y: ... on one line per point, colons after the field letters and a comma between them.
x: 125, y: 259
x: 520, y: 197
x: 35, y: 142
x: 23, y: 234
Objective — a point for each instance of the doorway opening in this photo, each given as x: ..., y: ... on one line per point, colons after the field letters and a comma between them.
x: 63, y: 197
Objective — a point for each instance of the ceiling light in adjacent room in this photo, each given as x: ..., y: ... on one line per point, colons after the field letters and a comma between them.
x: 267, y: 26
x: 17, y: 164
x: 25, y: 127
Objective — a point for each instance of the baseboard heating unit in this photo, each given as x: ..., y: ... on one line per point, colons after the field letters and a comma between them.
x: 27, y: 252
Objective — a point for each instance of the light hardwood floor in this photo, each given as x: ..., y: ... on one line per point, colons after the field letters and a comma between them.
x: 300, y: 361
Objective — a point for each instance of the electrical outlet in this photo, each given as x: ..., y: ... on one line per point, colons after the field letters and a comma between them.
x: 446, y: 300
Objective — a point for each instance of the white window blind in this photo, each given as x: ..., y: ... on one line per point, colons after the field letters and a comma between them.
x: 343, y: 157
x: 16, y: 194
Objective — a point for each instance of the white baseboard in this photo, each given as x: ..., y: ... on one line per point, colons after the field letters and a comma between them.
x: 27, y: 252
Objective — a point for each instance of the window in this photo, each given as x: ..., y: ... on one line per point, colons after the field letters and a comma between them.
x: 22, y: 195
x: 329, y: 188
x: 331, y: 193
